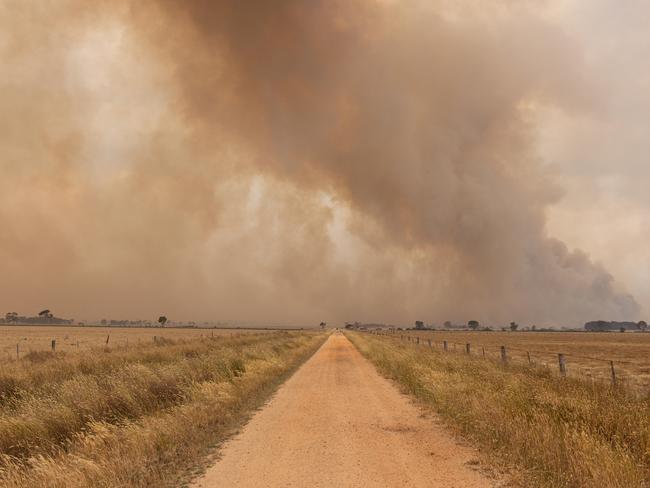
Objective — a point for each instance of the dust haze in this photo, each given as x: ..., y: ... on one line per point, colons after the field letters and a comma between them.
x: 288, y: 162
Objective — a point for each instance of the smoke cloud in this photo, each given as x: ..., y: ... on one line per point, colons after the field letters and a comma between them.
x: 287, y: 162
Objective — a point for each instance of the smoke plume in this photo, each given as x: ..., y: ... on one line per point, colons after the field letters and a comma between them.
x: 287, y: 162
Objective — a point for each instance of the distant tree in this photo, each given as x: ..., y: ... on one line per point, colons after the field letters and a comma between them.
x: 11, y: 317
x: 622, y: 329
x: 162, y: 320
x: 514, y: 326
x: 473, y: 324
x: 323, y: 325
x: 419, y: 324
x: 447, y: 324
x: 642, y: 325
x: 45, y: 314
x: 534, y: 328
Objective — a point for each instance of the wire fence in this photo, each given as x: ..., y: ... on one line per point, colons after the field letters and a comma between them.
x: 589, y: 368
x: 25, y: 346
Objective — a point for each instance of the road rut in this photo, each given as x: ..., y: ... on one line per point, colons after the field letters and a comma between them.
x: 338, y: 423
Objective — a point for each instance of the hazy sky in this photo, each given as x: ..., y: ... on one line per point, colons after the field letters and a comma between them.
x: 603, y: 156
x: 292, y: 161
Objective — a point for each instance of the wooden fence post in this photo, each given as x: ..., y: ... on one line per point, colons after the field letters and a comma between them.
x: 504, y: 357
x: 611, y: 365
x: 53, y: 345
x: 418, y: 340
x: 529, y: 361
x: 467, y: 348
x: 483, y: 352
x: 108, y: 338
x: 17, y: 351
x: 562, y: 362
x: 429, y: 343
x: 444, y: 346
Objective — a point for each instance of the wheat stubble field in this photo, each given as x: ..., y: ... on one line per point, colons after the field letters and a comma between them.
x: 36, y: 338
x: 587, y: 354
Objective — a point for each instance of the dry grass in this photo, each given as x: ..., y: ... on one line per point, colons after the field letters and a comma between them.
x: 629, y: 351
x: 134, y: 416
x: 31, y: 338
x: 556, y: 432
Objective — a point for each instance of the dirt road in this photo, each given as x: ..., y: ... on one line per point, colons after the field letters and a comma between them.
x: 337, y: 423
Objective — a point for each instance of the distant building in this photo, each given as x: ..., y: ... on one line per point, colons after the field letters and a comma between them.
x: 603, y: 326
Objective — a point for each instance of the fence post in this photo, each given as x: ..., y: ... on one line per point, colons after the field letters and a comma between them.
x: 17, y: 351
x: 108, y: 338
x: 483, y: 348
x: 429, y: 343
x: 53, y: 345
x: 467, y: 348
x: 611, y: 365
x: 444, y: 346
x: 562, y: 362
x: 504, y: 357
x: 529, y: 361
x: 418, y: 340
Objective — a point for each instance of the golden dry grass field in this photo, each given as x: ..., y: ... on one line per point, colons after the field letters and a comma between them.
x: 587, y: 354
x: 69, y: 339
x: 140, y: 415
x: 544, y: 429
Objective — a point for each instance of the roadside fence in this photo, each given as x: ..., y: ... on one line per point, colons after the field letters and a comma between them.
x: 589, y: 368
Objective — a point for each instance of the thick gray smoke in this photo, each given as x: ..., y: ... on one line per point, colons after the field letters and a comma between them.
x: 287, y: 161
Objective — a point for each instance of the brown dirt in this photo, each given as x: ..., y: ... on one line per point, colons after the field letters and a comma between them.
x: 338, y: 423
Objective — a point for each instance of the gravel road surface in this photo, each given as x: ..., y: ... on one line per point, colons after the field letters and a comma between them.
x: 337, y: 423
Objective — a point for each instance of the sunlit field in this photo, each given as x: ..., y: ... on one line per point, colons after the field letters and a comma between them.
x: 39, y: 338
x: 587, y: 354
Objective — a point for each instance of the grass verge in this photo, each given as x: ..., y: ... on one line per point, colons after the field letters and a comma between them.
x: 142, y: 416
x: 555, y: 431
